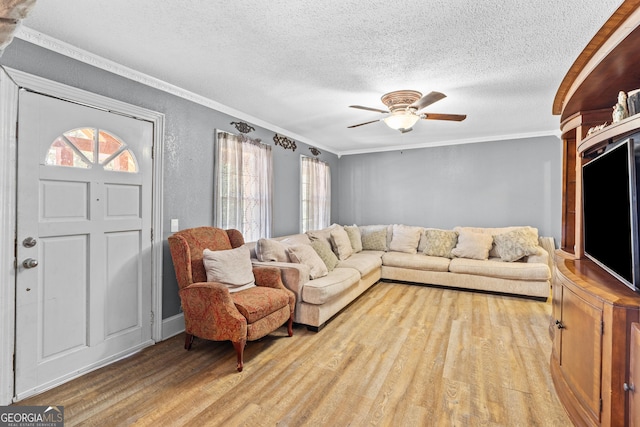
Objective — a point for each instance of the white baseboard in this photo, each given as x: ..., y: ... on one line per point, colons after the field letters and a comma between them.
x: 172, y: 326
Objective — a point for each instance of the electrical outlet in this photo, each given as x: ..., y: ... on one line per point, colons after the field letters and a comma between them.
x: 174, y: 225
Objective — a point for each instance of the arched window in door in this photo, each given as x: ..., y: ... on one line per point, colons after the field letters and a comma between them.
x: 87, y: 147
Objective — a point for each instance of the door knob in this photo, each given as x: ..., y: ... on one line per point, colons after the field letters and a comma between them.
x: 628, y: 387
x: 30, y: 263
x: 559, y: 324
x: 29, y: 242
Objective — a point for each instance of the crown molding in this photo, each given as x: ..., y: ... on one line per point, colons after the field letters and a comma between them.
x: 44, y: 41
x: 554, y: 132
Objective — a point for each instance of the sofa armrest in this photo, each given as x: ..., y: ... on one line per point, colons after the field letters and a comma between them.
x: 293, y: 275
x: 548, y: 244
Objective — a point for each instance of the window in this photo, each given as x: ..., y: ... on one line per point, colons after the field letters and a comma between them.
x: 85, y: 147
x: 316, y: 194
x: 243, y: 187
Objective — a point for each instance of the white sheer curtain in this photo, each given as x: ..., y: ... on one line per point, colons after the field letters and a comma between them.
x: 316, y: 194
x: 243, y: 185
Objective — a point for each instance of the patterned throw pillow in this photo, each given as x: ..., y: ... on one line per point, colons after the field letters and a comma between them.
x: 473, y: 245
x: 440, y: 242
x: 341, y: 243
x: 304, y: 254
x: 374, y: 238
x: 230, y: 267
x: 355, y: 237
x: 323, y: 249
x: 516, y: 244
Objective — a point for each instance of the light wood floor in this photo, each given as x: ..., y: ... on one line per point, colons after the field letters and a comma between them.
x: 401, y: 355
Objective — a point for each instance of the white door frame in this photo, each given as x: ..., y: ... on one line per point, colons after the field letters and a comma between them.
x: 11, y: 81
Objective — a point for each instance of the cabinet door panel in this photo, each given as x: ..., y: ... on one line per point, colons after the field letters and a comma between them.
x: 634, y: 376
x: 581, y: 349
x: 556, y: 309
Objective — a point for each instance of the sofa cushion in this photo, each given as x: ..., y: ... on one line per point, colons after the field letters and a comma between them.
x: 324, y: 289
x: 415, y: 261
x: 231, y: 267
x: 258, y: 302
x: 270, y: 250
x: 364, y: 262
x: 374, y: 237
x: 354, y: 236
x: 440, y: 242
x: 405, y: 238
x: 473, y: 245
x: 504, y: 270
x: 341, y: 243
x: 305, y: 254
x: 516, y: 244
x: 323, y: 249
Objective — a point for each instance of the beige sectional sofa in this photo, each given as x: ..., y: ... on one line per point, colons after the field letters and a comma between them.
x: 328, y: 269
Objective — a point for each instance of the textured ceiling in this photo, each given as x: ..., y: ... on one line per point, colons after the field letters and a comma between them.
x: 299, y: 64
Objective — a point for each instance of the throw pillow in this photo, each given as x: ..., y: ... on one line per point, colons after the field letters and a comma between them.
x: 473, y: 245
x: 374, y: 238
x: 405, y: 238
x: 440, y: 242
x: 355, y: 237
x: 516, y: 244
x: 304, y: 254
x: 325, y: 253
x: 323, y: 234
x: 231, y: 267
x: 269, y: 250
x: 341, y: 243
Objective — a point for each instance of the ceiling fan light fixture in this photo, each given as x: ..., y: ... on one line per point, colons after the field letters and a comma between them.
x: 401, y: 120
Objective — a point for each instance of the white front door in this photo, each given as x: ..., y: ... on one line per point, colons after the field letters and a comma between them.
x: 83, y: 288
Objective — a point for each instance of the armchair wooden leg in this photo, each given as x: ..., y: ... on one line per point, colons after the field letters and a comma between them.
x: 188, y: 340
x: 290, y: 326
x: 239, y: 346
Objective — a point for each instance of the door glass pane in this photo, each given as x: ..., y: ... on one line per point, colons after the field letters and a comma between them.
x: 107, y: 145
x: 123, y: 162
x: 61, y: 154
x: 84, y: 140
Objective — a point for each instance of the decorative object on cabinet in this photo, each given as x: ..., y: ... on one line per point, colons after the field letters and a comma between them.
x: 284, y: 142
x: 633, y: 102
x: 315, y: 151
x: 598, y: 128
x: 620, y: 110
x: 243, y: 127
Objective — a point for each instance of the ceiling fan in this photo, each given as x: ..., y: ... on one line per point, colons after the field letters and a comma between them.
x: 403, y: 109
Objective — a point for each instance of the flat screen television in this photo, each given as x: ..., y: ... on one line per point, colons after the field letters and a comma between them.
x: 610, y: 211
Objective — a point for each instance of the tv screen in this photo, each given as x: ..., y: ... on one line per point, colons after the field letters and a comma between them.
x: 610, y: 212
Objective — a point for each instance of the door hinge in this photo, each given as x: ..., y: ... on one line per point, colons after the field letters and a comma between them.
x: 602, y: 327
x: 152, y: 235
x: 600, y: 405
x: 152, y: 317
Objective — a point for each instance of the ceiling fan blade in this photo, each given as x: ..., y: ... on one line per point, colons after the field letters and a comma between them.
x: 452, y: 117
x: 365, y: 123
x: 428, y: 99
x: 368, y: 108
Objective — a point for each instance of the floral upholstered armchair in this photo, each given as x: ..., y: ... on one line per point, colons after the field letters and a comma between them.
x: 223, y: 297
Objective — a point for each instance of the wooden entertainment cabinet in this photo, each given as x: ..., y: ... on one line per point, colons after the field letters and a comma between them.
x: 593, y: 313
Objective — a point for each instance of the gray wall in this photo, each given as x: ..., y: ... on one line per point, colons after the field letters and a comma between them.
x: 188, y: 149
x: 490, y: 184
